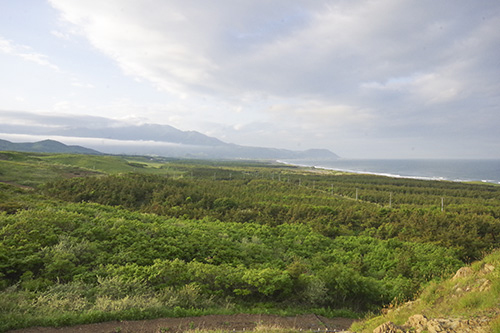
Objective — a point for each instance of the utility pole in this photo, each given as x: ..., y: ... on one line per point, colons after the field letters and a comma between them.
x: 390, y: 199
x: 442, y: 204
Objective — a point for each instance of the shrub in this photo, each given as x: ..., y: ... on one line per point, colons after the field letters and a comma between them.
x: 189, y: 296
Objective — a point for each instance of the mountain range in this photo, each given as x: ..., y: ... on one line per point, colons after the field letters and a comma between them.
x: 152, y: 139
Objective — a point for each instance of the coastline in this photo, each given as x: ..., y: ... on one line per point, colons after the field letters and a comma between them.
x: 324, y: 165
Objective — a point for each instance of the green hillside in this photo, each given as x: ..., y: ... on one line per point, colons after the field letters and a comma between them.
x: 95, y: 238
x: 45, y: 146
x: 468, y: 302
x: 33, y: 169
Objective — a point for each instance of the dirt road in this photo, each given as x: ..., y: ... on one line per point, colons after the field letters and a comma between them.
x: 236, y: 323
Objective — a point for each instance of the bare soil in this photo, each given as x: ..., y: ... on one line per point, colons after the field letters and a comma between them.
x: 230, y: 323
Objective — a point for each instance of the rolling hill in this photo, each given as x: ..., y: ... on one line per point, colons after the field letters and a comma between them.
x: 46, y: 146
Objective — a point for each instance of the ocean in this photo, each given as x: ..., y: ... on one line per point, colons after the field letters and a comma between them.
x: 453, y: 170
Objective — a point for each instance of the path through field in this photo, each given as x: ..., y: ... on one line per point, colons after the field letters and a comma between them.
x: 236, y: 323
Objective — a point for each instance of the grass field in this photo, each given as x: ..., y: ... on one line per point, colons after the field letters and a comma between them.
x: 32, y: 169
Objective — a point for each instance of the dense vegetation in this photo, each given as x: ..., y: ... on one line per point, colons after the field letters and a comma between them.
x: 469, y: 224
x: 95, y: 241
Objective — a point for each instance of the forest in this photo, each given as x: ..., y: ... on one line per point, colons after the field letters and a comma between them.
x: 93, y: 238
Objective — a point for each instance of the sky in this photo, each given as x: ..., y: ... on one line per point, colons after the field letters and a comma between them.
x: 363, y: 78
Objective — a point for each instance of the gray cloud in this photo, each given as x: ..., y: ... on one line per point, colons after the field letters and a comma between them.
x: 56, y: 121
x: 278, y: 48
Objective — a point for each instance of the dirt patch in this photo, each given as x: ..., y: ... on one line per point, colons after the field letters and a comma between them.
x: 237, y: 323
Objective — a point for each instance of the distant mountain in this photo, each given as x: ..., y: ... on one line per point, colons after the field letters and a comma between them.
x: 145, y: 132
x: 236, y: 151
x: 119, y: 137
x: 150, y: 139
x: 186, y: 144
x: 46, y: 146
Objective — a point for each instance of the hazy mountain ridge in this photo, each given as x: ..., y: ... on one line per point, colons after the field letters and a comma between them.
x: 46, y: 146
x: 164, y: 140
x: 147, y: 132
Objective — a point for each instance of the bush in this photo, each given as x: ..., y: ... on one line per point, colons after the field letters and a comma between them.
x: 188, y: 296
x: 70, y: 297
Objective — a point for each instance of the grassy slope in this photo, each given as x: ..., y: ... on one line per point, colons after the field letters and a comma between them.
x: 467, y: 297
x: 33, y: 169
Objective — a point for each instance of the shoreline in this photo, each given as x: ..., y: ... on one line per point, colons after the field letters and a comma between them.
x: 390, y: 175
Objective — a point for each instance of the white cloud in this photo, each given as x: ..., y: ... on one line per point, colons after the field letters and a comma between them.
x: 61, y: 35
x: 437, y: 89
x: 278, y: 48
x: 427, y: 88
x: 26, y: 53
x: 63, y: 106
x: 77, y: 83
x: 318, y: 115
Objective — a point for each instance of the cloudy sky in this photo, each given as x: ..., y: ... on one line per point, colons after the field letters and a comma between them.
x: 363, y: 78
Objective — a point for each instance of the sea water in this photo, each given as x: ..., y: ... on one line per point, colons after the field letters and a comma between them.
x: 452, y: 170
